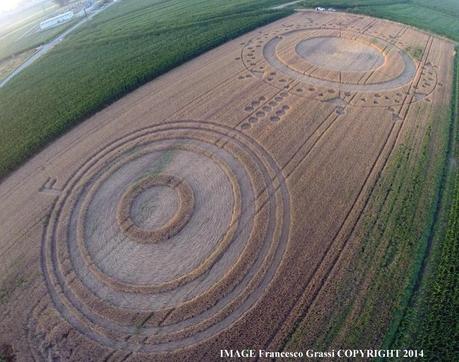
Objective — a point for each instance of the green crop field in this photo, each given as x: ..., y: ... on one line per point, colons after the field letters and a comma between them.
x: 430, y: 18
x: 441, y: 17
x: 431, y: 312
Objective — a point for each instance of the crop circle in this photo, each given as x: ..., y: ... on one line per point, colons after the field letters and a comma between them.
x: 328, y: 61
x: 167, y: 236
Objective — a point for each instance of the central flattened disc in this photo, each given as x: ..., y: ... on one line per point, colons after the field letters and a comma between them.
x: 340, y: 54
x: 148, y: 201
x: 154, y: 207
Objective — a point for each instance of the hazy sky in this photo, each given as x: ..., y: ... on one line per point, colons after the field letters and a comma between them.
x: 6, y: 5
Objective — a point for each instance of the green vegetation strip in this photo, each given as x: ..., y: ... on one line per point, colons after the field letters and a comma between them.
x: 431, y: 319
x: 119, y: 50
x: 441, y: 17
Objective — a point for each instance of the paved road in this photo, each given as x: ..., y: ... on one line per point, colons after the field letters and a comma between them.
x: 48, y: 46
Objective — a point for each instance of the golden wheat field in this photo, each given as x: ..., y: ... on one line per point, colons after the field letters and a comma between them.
x: 208, y: 208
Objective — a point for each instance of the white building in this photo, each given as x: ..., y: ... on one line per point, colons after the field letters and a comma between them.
x: 57, y: 20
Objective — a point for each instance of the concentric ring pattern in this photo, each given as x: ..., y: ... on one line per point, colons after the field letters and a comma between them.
x: 167, y: 236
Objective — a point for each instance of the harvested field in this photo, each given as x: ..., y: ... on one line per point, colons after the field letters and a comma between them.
x: 209, y: 208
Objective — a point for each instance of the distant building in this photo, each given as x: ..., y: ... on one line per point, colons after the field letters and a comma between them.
x: 56, y: 20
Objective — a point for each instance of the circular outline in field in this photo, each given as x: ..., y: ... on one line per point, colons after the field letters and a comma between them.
x: 270, y: 56
x: 173, y: 226
x: 206, y: 315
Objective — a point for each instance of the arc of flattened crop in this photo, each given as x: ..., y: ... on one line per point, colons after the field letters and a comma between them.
x: 408, y: 73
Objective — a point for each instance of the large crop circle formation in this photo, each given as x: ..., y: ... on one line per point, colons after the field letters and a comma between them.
x: 322, y: 62
x: 165, y: 239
